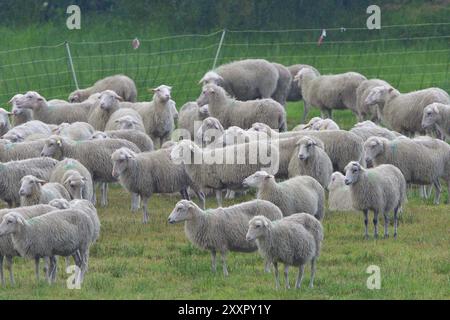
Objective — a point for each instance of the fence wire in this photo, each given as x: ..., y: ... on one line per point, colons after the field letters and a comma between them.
x: 410, y: 57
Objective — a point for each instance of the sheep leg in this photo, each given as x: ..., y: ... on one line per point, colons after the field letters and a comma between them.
x: 396, y: 221
x: 267, y: 266
x: 185, y: 194
x: 366, y: 222
x: 36, y: 268
x: 277, y: 279
x: 438, y: 189
x: 306, y: 108
x: 313, y: 272
x: 135, y: 202
x: 52, y: 267
x: 104, y: 192
x: 201, y: 197
x: 224, y: 263
x: 286, y: 276
x: 219, y: 197
x: 213, y: 261
x: 1, y: 270
x: 386, y: 225
x: 145, y: 209
x: 448, y: 191
x: 375, y: 224
x: 298, y: 283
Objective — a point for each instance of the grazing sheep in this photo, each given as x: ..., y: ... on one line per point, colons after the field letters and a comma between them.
x: 37, y: 191
x: 295, y: 92
x: 367, y: 129
x: 5, y: 124
x: 298, y: 194
x: 121, y: 117
x: 140, y: 139
x: 225, y: 168
x: 222, y: 229
x: 381, y: 189
x: 151, y: 172
x: 190, y: 112
x: 76, y: 131
x: 209, y: 132
x: 286, y: 241
x: 10, y: 151
x: 340, y: 145
x: 21, y: 132
x: 328, y: 92
x: 94, y: 155
x: 419, y: 162
x: 55, y: 113
x: 6, y: 245
x: 402, y: 112
x: 75, y: 178
x: 283, y: 84
x: 231, y: 112
x: 365, y: 111
x: 310, y: 159
x: 59, y: 232
x: 437, y: 114
x: 121, y: 84
x: 339, y: 196
x: 245, y: 79
x: 12, y: 172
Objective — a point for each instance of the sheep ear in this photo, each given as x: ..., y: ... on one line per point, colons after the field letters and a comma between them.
x: 435, y: 109
x: 58, y: 142
x: 266, y: 223
x: 201, y: 80
x: 373, y: 143
x: 20, y: 220
x: 67, y: 181
x: 390, y: 89
x: 152, y: 90
x: 41, y: 181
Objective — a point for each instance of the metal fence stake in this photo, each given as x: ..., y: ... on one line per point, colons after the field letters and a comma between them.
x: 72, y: 69
x: 220, y: 47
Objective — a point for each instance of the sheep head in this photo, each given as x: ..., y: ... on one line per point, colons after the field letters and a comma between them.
x: 11, y: 223
x: 120, y: 158
x: 184, y: 210
x: 352, y: 172
x: 30, y: 100
x: 257, y: 228
x: 430, y: 116
x: 372, y: 148
x: 256, y: 179
x: 53, y: 147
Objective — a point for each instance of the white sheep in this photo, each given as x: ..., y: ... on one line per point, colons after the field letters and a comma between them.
x: 190, y: 115
x: 339, y: 196
x: 122, y: 117
x: 381, y: 189
x: 140, y: 139
x: 437, y: 114
x: 208, y: 133
x: 21, y: 132
x: 5, y: 124
x: 324, y: 124
x: 283, y: 84
x: 222, y: 229
x: 367, y: 129
x: 295, y: 92
x: 76, y: 131
x: 365, y: 111
x: 37, y: 191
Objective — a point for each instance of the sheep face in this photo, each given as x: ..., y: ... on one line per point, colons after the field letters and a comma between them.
x: 127, y: 123
x: 257, y: 228
x: 372, y: 148
x: 75, y: 96
x: 430, y: 116
x: 53, y: 148
x: 337, y: 180
x: 352, y: 171
x: 74, y: 182
x: 377, y: 95
x: 60, y: 204
x: 234, y: 135
x: 121, y: 159
x: 99, y: 135
x: 30, y: 100
x: 108, y: 99
x: 11, y: 223
x: 14, y: 137
x: 256, y: 179
x: 208, y: 92
x: 16, y: 111
x: 183, y: 152
x: 261, y: 127
x: 183, y: 211
x: 29, y: 185
x: 212, y: 77
x: 203, y: 111
x: 303, y: 74
x: 162, y: 93
x: 306, y: 147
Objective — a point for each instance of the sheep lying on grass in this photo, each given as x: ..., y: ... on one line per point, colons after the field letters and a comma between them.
x: 298, y: 194
x: 222, y: 229
x: 35, y: 191
x: 381, y: 189
x: 288, y: 241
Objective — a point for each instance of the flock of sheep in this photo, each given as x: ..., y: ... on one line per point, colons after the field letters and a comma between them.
x: 53, y: 154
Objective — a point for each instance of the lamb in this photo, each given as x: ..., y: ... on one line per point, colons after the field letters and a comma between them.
x: 208, y: 133
x: 367, y: 129
x: 231, y: 112
x: 340, y: 145
x: 245, y: 79
x: 151, y: 172
x: 6, y: 245
x: 77, y: 131
x: 225, y: 168
x: 55, y: 113
x: 419, y: 161
x: 94, y: 155
x: 381, y: 189
x: 295, y: 92
x: 75, y: 178
x: 310, y: 159
x: 21, y: 132
x: 298, y: 194
x: 140, y: 139
x: 121, y: 84
x: 402, y: 112
x: 365, y: 111
x: 283, y: 84
x: 437, y: 114
x: 190, y: 113
x: 5, y: 124
x: 119, y: 118
x: 339, y: 196
x: 37, y: 191
x: 287, y: 241
x: 59, y: 232
x: 12, y: 172
x: 222, y: 229
x: 328, y: 92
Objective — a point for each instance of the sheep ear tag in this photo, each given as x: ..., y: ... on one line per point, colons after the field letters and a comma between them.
x: 58, y: 142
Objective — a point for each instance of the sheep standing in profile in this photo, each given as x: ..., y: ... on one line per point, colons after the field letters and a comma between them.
x: 381, y: 189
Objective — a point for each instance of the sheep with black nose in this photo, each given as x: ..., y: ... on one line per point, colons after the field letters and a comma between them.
x: 381, y: 189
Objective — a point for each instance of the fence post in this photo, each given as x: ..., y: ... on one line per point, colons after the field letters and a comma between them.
x: 72, y: 69
x: 220, y: 47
